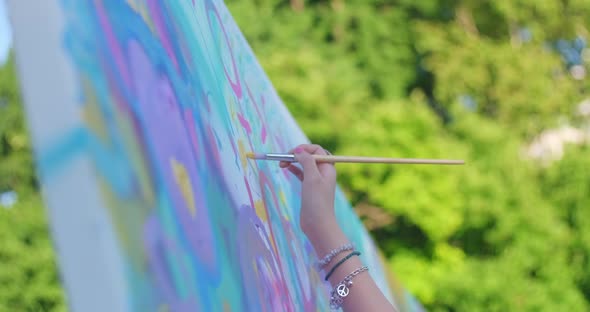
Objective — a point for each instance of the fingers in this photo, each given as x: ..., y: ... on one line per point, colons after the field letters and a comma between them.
x: 310, y: 148
x: 303, y: 155
x: 314, y: 149
x: 310, y: 167
x: 296, y: 171
x: 325, y: 169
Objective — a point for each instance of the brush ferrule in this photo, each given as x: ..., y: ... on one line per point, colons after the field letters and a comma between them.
x: 281, y: 157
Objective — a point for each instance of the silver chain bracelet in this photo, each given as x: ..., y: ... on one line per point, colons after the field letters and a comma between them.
x: 343, y: 288
x: 325, y: 260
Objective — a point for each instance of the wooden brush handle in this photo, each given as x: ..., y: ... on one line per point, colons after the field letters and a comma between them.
x: 383, y: 160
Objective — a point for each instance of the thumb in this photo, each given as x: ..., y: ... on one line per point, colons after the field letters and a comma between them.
x: 310, y: 168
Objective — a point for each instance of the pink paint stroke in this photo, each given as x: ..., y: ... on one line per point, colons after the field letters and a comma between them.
x: 245, y: 124
x: 117, y: 52
x: 158, y: 20
x: 236, y: 86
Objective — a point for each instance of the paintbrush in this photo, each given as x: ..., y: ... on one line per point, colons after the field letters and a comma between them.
x: 355, y: 159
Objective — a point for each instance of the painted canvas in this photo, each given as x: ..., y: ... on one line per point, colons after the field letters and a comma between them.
x: 141, y: 113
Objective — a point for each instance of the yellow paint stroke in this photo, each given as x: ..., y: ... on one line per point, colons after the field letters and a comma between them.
x: 95, y: 120
x: 164, y: 308
x: 128, y: 221
x: 142, y: 10
x: 283, y: 201
x: 184, y: 182
x: 255, y: 267
x: 260, y: 211
x: 231, y: 103
x: 92, y: 115
x: 243, y: 154
x: 138, y: 159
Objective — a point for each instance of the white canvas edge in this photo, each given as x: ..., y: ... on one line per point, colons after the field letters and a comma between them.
x: 91, y: 269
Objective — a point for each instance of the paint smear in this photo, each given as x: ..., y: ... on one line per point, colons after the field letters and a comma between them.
x: 245, y: 124
x: 184, y: 182
x: 260, y: 211
x: 243, y: 152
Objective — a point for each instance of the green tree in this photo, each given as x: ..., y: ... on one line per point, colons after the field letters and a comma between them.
x: 16, y: 170
x: 465, y: 79
x: 28, y: 274
x: 566, y: 184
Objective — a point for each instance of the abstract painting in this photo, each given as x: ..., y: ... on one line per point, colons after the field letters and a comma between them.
x: 142, y: 112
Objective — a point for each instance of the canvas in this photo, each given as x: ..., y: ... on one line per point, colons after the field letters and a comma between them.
x: 141, y: 114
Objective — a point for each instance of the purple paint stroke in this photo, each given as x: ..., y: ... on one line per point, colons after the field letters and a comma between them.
x: 159, y: 249
x: 164, y: 127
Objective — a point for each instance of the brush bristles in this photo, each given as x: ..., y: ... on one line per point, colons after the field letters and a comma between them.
x: 256, y: 155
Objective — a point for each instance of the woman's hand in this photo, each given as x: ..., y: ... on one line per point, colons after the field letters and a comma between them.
x: 318, y: 222
x: 318, y: 186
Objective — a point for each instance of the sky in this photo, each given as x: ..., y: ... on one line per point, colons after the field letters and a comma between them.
x: 5, y: 33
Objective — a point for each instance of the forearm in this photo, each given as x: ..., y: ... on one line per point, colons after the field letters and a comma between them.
x: 319, y: 224
x: 364, y: 294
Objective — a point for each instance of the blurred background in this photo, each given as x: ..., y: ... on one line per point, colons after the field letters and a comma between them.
x: 502, y: 84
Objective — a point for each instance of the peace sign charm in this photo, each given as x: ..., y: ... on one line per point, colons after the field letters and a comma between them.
x: 342, y: 290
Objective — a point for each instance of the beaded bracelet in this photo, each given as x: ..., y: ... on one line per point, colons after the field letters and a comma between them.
x: 343, y: 288
x: 350, y: 255
x: 325, y: 260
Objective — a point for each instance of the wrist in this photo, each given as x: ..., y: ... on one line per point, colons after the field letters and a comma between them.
x: 325, y: 236
x: 318, y: 225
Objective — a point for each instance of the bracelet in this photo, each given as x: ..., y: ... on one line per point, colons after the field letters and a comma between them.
x: 325, y: 260
x: 343, y: 288
x: 354, y: 253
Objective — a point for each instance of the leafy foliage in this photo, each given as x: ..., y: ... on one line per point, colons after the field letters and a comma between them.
x: 28, y: 275
x: 16, y: 171
x: 463, y: 79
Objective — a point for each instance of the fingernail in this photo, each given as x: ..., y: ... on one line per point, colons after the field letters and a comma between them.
x: 298, y: 150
